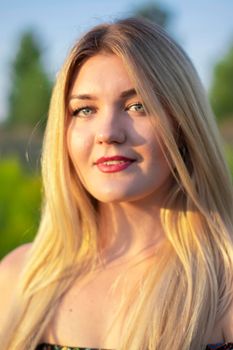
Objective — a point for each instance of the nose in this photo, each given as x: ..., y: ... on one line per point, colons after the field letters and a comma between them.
x: 110, y: 130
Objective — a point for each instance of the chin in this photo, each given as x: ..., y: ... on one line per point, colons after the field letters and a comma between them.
x: 112, y: 196
x: 119, y: 196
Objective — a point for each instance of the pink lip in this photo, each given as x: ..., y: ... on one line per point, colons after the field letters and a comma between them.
x: 124, y: 163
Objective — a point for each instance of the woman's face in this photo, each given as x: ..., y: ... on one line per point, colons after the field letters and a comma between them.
x: 111, y: 141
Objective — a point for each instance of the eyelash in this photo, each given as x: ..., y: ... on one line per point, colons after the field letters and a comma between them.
x: 91, y: 108
x: 136, y: 104
x: 78, y: 110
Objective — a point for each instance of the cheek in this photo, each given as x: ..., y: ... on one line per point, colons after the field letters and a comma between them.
x: 78, y: 143
x: 153, y: 146
x: 159, y: 160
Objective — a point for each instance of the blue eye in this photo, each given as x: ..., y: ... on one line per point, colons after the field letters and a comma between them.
x: 82, y: 112
x: 136, y: 107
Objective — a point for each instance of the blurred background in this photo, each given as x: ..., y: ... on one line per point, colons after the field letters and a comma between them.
x: 35, y: 39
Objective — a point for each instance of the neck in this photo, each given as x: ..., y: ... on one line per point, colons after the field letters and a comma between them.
x: 129, y: 230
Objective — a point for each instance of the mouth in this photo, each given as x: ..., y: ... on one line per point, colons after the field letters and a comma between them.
x: 113, y: 164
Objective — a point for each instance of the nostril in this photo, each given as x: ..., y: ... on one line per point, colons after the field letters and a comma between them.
x: 111, y: 137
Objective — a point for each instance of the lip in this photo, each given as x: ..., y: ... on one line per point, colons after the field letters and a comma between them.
x: 119, y: 163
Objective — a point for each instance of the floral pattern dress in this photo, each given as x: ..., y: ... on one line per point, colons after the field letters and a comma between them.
x: 46, y: 346
x: 226, y: 346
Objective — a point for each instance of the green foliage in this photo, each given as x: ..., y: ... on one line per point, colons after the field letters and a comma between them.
x: 221, y: 92
x: 20, y: 196
x: 30, y: 85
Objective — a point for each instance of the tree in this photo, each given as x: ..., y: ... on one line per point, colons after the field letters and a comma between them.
x: 156, y: 13
x: 30, y: 85
x: 221, y: 91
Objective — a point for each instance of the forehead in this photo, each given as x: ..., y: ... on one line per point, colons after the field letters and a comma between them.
x: 101, y: 73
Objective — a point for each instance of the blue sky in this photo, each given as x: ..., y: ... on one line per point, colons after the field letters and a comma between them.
x: 203, y: 27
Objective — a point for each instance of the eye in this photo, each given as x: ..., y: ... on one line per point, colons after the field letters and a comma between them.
x: 136, y: 107
x: 83, y: 112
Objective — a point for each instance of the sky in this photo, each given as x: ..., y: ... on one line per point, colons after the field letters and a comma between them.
x: 204, y: 28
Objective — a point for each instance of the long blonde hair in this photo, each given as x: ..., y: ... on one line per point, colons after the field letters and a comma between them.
x: 189, y: 289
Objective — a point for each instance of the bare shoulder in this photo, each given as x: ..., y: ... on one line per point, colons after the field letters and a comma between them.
x: 10, y: 268
x: 14, y: 261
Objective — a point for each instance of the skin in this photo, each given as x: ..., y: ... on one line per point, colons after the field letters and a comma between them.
x: 110, y: 125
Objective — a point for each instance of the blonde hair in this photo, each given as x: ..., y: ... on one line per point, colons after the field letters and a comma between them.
x: 189, y: 289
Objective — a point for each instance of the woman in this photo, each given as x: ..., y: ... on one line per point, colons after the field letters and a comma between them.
x: 135, y: 245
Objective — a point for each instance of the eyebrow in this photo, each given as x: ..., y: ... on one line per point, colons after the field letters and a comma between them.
x: 128, y: 93
x: 124, y: 94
